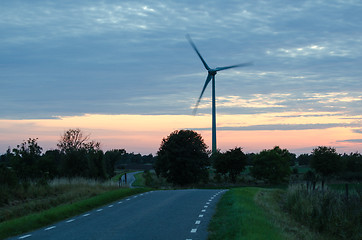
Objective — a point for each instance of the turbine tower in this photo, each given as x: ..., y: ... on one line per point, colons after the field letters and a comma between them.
x: 211, y: 76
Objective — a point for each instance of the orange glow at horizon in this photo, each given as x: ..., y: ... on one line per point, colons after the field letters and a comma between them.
x: 144, y: 133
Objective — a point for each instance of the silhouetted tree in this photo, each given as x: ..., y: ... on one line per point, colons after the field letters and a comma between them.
x: 182, y: 158
x: 304, y: 159
x: 51, y: 161
x: 272, y: 165
x: 232, y: 162
x: 110, y: 158
x: 352, y: 166
x: 326, y: 162
x: 96, y: 165
x: 6, y: 158
x: 293, y: 159
x: 25, y: 157
x: 74, y: 140
x: 81, y: 156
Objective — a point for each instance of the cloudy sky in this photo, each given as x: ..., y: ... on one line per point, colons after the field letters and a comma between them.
x: 124, y: 72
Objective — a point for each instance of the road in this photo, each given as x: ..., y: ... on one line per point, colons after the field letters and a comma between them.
x: 164, y: 214
x: 130, y: 178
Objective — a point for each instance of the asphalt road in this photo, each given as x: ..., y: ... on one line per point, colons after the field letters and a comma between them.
x: 168, y: 214
x: 130, y: 178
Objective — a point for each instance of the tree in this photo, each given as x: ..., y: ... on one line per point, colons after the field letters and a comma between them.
x: 182, y: 158
x: 81, y: 156
x: 96, y: 165
x: 74, y: 140
x: 272, y: 165
x: 25, y: 158
x: 111, y: 157
x: 304, y: 159
x: 232, y: 162
x: 326, y: 162
x: 352, y: 163
x: 51, y: 162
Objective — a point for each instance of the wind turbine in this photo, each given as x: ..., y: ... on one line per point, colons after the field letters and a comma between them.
x: 211, y: 76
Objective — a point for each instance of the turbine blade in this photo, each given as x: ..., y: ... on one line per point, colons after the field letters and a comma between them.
x: 234, y: 66
x: 197, y: 51
x: 208, y: 79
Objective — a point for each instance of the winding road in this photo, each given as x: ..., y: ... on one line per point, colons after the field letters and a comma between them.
x: 164, y: 214
x: 130, y: 178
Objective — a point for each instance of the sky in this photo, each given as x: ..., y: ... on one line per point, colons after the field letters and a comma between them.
x: 124, y: 73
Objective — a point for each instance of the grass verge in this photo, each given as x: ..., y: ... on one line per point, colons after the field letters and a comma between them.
x: 273, y: 202
x: 37, y: 220
x: 326, y: 212
x: 238, y: 216
x: 139, y: 180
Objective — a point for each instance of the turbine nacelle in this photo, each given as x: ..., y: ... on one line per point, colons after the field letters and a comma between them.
x: 212, y: 72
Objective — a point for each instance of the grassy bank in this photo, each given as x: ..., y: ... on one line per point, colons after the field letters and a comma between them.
x: 29, y: 197
x: 327, y: 212
x: 139, y: 180
x: 238, y: 216
x: 37, y: 220
x: 258, y: 213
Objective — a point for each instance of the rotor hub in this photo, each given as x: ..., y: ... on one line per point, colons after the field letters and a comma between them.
x: 212, y: 72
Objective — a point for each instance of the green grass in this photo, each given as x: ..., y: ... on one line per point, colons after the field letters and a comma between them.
x: 29, y: 198
x: 327, y: 212
x: 37, y: 220
x: 239, y: 217
x: 140, y: 180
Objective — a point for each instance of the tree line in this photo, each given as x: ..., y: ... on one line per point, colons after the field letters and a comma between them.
x: 76, y: 156
x: 183, y: 159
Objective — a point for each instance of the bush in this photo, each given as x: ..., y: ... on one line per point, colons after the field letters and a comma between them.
x: 327, y: 211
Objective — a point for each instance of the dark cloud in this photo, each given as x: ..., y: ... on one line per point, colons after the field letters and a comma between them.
x: 351, y: 140
x: 276, y: 127
x: 72, y: 58
x: 357, y: 130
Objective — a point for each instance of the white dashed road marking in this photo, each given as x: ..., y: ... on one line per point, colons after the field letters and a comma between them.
x: 193, y: 230
x: 110, y: 206
x: 86, y: 215
x: 99, y: 210
x: 25, y: 236
x: 197, y: 222
x: 70, y: 220
x: 49, y: 228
